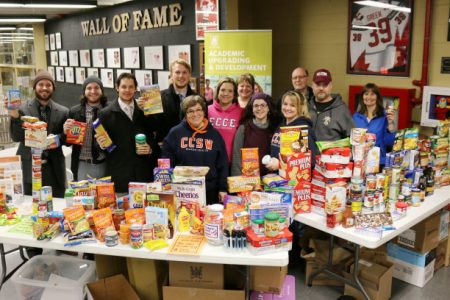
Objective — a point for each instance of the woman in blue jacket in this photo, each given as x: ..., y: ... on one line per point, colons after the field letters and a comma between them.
x: 371, y: 115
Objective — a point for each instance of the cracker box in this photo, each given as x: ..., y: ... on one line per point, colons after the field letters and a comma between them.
x: 302, y: 198
x: 335, y: 170
x: 36, y: 138
x: 293, y: 139
x: 297, y: 167
x: 76, y: 133
x: 340, y: 155
x: 250, y: 161
x: 238, y: 184
x: 336, y: 196
x: 137, y: 194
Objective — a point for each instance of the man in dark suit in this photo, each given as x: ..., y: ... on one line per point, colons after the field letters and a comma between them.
x: 180, y: 76
x: 123, y: 120
x: 54, y: 114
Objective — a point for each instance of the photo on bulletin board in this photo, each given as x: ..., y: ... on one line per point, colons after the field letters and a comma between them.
x: 52, y: 42
x: 85, y: 58
x: 163, y: 80
x: 63, y: 58
x: 70, y: 78
x: 46, y: 42
x: 143, y: 77
x: 120, y: 71
x: 58, y: 40
x: 379, y: 38
x: 154, y: 58
x: 51, y: 70
x: 107, y: 77
x: 93, y: 72
x: 98, y: 58
x: 54, y: 58
x: 113, y: 57
x: 131, y: 57
x: 73, y: 58
x: 180, y: 52
x: 80, y: 75
x: 206, y: 17
x: 60, y: 74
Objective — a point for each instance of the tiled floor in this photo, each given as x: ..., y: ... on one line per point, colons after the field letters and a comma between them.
x: 437, y: 289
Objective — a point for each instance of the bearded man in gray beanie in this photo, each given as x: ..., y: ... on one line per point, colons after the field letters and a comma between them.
x: 54, y: 114
x: 87, y: 159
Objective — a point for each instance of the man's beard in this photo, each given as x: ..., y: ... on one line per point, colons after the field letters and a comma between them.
x: 39, y: 97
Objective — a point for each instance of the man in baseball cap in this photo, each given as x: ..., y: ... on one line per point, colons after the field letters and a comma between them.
x: 330, y: 115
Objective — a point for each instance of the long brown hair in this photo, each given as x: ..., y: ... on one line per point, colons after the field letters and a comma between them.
x: 379, y: 109
x: 227, y: 80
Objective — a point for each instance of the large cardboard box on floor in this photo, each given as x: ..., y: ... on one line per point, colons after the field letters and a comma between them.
x: 287, y: 293
x: 267, y: 279
x: 234, y: 288
x: 443, y: 224
x: 447, y: 253
x: 422, y: 237
x: 376, y: 278
x: 440, y: 255
x: 108, y: 265
x: 315, y: 260
x: 147, y: 277
x: 112, y: 288
x: 198, y: 275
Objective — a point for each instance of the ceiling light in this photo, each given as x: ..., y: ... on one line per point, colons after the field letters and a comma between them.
x: 22, y: 20
x: 26, y: 28
x: 384, y: 5
x: 46, y: 5
x: 16, y: 34
x: 7, y: 28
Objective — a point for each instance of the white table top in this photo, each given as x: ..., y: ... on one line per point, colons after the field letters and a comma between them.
x: 210, y: 254
x: 432, y: 204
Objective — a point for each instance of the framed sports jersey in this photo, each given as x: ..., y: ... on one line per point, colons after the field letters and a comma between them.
x: 379, y: 39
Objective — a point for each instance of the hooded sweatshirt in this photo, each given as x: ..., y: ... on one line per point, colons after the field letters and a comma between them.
x: 378, y: 126
x: 275, y: 144
x: 226, y: 121
x: 334, y: 123
x: 185, y: 148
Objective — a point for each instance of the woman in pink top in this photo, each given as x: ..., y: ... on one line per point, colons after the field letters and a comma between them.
x: 224, y: 114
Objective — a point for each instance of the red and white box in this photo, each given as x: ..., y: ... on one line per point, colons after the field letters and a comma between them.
x: 297, y: 167
x: 318, y: 207
x: 330, y: 170
x: 302, y: 198
x: 262, y: 244
x: 336, y: 155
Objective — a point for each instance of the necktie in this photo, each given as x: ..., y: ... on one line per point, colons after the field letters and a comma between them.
x: 94, y: 113
x: 43, y: 113
x: 129, y: 112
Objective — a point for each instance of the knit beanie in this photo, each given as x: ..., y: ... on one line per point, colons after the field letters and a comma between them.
x: 91, y: 79
x: 41, y: 75
x: 261, y: 96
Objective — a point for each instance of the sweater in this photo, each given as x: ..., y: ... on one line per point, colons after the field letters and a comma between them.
x: 226, y: 121
x: 378, y: 126
x: 203, y: 149
x: 251, y: 135
x: 334, y: 123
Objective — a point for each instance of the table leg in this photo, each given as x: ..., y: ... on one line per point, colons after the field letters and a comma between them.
x: 355, y: 273
x: 4, y: 276
x: 3, y: 259
x: 247, y: 282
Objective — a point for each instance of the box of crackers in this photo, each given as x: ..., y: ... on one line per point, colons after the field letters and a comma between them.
x: 297, y: 167
x: 293, y: 139
x: 302, y: 198
x: 250, y: 161
x: 76, y: 133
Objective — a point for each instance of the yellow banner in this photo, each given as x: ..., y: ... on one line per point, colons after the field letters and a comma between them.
x: 232, y: 53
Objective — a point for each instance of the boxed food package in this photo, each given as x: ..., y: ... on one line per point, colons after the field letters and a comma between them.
x: 297, y: 167
x: 422, y: 237
x: 334, y: 170
x: 190, y: 190
x: 376, y: 278
x: 250, y: 161
x: 293, y: 139
x: 197, y: 275
x: 238, y: 184
x: 137, y: 194
x: 258, y: 244
x: 76, y: 133
x: 336, y: 155
x: 36, y: 138
x: 53, y: 277
x: 302, y: 198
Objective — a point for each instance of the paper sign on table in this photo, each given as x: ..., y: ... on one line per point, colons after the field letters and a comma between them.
x: 187, y: 245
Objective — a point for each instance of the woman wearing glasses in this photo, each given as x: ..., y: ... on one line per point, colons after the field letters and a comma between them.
x: 195, y: 142
x: 255, y: 131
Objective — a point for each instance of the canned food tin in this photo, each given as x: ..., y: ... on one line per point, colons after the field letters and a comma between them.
x: 415, y: 197
x: 356, y: 190
x: 147, y: 232
x: 368, y: 200
x: 111, y: 238
x: 334, y: 219
x: 47, y: 196
x: 371, y: 183
x: 394, y: 190
x: 136, y: 240
x: 380, y: 181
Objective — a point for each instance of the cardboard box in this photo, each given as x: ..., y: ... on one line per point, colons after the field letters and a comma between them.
x: 198, y: 275
x: 267, y: 279
x: 147, y: 277
x: 441, y: 250
x: 108, y: 266
x: 422, y: 237
x: 409, y: 256
x: 376, y: 278
x: 418, y: 276
x: 447, y: 253
x: 111, y: 288
x: 186, y: 293
x: 287, y: 293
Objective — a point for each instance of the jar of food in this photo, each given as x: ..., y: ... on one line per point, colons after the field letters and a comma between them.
x: 415, y: 197
x: 271, y: 225
x: 282, y: 224
x: 258, y: 226
x: 401, y: 208
x: 214, y: 224
x: 356, y: 190
x: 118, y: 218
x: 356, y: 207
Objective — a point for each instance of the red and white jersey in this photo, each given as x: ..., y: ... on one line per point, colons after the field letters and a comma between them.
x: 376, y: 37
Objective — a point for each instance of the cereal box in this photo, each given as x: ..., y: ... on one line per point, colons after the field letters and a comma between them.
x: 297, y: 167
x: 302, y: 198
x: 14, y: 99
x: 293, y: 139
x: 76, y: 133
x: 250, y: 161
x: 137, y: 192
x: 164, y: 176
x: 152, y: 97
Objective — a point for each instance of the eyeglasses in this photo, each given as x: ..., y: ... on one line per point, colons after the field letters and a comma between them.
x: 194, y: 111
x: 299, y: 77
x: 256, y: 106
